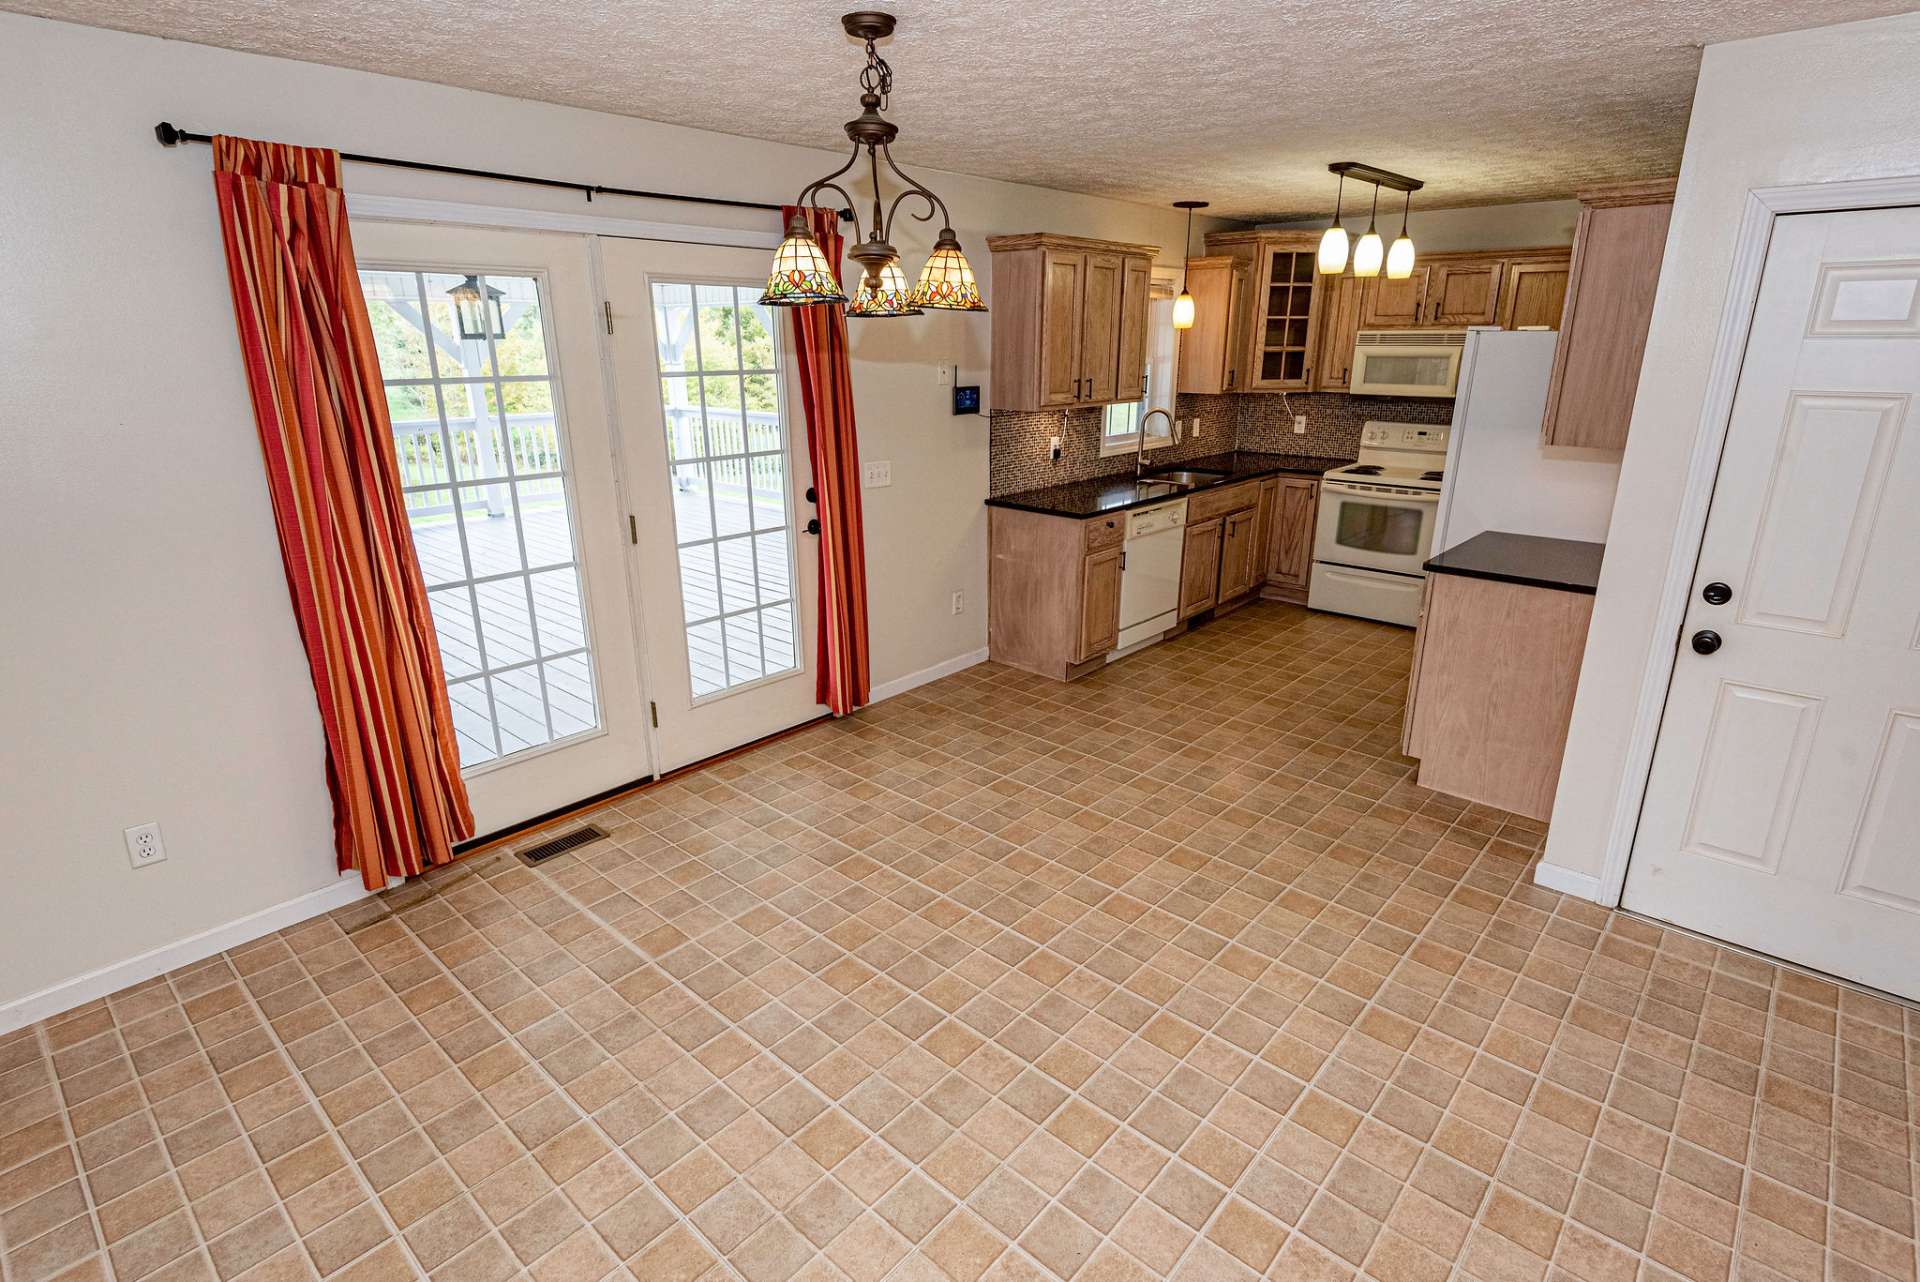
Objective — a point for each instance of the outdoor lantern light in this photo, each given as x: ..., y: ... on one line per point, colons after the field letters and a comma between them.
x: 1183, y: 309
x: 801, y: 274
x: 477, y: 310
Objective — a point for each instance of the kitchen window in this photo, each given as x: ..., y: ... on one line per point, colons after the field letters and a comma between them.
x: 1120, y: 424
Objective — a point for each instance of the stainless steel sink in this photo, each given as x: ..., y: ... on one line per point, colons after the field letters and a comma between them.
x: 1187, y: 477
x: 1159, y: 488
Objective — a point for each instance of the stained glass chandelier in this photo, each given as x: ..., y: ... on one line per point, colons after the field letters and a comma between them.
x: 802, y: 275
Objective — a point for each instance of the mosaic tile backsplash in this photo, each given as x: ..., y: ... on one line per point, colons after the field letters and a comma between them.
x: 1264, y: 422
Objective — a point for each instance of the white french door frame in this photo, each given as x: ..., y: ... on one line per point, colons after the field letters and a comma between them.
x: 1764, y: 205
x: 595, y: 228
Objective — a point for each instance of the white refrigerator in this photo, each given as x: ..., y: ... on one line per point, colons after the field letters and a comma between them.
x: 1499, y: 476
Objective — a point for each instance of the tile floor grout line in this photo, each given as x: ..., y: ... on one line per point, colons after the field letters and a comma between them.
x: 352, y: 1160
x: 73, y: 1146
x: 646, y: 1180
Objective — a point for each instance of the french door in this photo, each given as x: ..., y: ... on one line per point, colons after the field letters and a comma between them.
x: 488, y: 347
x: 1785, y: 792
x: 715, y: 448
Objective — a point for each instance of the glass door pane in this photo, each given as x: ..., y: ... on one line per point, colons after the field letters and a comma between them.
x: 480, y: 443
x: 727, y: 482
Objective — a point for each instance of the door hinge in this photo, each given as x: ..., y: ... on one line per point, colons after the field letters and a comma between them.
x: 633, y: 530
x: 653, y: 711
x: 607, y: 306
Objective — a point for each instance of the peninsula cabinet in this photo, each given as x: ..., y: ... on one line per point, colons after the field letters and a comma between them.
x: 1070, y: 323
x: 1053, y: 586
x: 1617, y: 247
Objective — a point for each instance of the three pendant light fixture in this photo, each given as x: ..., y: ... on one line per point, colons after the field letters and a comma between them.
x: 802, y: 275
x: 1369, y: 254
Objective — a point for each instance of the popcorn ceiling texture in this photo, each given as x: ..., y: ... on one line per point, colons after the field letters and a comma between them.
x: 1249, y: 421
x: 1487, y: 102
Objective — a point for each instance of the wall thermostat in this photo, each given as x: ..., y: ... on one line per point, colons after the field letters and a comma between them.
x: 966, y: 400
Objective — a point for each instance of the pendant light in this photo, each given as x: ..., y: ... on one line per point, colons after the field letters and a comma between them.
x: 802, y: 275
x: 1332, y: 258
x: 1368, y: 250
x: 1400, y: 255
x: 1183, y: 309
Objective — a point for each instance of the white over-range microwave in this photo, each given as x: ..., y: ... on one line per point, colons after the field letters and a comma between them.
x: 1407, y: 362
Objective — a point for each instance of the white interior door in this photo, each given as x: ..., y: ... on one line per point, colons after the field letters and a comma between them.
x: 507, y: 461
x: 717, y: 454
x: 1783, y: 811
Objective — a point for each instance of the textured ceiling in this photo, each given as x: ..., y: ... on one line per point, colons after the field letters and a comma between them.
x: 1146, y: 100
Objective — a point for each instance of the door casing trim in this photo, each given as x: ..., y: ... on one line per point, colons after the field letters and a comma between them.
x: 1763, y: 206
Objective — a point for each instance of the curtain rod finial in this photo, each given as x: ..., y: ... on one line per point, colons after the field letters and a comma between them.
x: 167, y: 134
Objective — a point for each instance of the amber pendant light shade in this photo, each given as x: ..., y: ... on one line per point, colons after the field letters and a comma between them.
x: 1184, y: 311
x: 891, y: 297
x: 801, y: 275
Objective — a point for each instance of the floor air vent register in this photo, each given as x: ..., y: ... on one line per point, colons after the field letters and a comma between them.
x: 561, y: 845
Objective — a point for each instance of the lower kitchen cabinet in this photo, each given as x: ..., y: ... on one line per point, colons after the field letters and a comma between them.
x: 1200, y: 567
x: 1240, y: 566
x: 1491, y: 694
x: 1289, y: 542
x: 1053, y: 586
x: 1100, y: 602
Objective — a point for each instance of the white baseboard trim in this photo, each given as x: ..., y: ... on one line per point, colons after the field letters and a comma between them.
x: 1580, y: 885
x: 945, y: 668
x: 82, y: 989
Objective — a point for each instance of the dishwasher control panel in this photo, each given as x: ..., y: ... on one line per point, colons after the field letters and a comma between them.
x: 1151, y: 520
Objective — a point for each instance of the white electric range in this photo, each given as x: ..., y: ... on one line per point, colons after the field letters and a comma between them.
x: 1375, y: 529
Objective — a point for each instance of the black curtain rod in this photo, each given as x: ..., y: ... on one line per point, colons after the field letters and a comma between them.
x: 172, y: 136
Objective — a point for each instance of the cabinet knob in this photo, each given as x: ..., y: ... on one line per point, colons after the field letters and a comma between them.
x: 1716, y: 594
x: 1706, y: 641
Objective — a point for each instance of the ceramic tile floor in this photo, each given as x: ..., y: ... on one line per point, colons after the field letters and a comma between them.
x: 1172, y: 972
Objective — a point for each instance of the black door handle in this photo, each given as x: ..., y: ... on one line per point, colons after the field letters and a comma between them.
x: 813, y: 527
x: 1706, y: 641
x: 1716, y: 594
x: 813, y: 495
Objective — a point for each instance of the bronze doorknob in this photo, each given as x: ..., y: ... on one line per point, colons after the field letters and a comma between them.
x: 1706, y: 641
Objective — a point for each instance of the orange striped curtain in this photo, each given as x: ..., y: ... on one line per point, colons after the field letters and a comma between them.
x: 393, y: 765
x: 826, y: 389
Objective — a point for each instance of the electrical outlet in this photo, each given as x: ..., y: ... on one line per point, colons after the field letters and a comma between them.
x: 1199, y: 429
x: 959, y: 603
x: 1299, y: 424
x: 878, y: 474
x: 144, y: 847
x: 1053, y: 449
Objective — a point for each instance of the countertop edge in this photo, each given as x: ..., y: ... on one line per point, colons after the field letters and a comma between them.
x: 1014, y: 501
x: 1506, y: 546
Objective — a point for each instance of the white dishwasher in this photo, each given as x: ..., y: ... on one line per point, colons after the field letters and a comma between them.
x: 1150, y: 572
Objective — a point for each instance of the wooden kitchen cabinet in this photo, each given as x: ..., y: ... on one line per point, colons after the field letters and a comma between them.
x: 1289, y: 543
x: 1491, y: 692
x: 1200, y: 566
x: 1240, y: 567
x: 1396, y: 304
x: 1617, y: 247
x: 1342, y: 299
x: 1100, y: 602
x: 1533, y: 292
x: 1280, y: 313
x: 1070, y: 323
x: 1464, y: 291
x: 1053, y: 588
x: 1214, y: 350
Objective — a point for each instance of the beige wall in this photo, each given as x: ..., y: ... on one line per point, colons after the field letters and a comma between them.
x: 150, y: 667
x: 1806, y: 107
x: 1445, y: 231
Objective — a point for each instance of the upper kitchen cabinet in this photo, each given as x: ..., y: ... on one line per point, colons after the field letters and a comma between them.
x: 1341, y: 301
x: 1281, y: 312
x: 1533, y: 292
x: 1464, y: 291
x: 1617, y: 247
x: 1213, y: 352
x: 1071, y: 323
x: 1396, y: 304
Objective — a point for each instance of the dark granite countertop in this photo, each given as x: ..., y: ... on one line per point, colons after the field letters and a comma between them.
x: 1532, y: 560
x: 1079, y: 500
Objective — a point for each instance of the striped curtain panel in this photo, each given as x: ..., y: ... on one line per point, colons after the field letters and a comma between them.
x: 826, y: 389
x: 393, y: 766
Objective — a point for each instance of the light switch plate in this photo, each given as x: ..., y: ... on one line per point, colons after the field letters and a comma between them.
x: 878, y: 474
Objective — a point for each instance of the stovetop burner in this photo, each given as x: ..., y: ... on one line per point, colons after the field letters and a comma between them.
x: 1433, y: 476
x: 1364, y: 469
